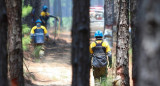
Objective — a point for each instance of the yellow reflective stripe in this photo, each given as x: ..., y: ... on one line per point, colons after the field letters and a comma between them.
x: 106, y: 45
x: 44, y: 14
x: 93, y: 44
x: 42, y: 27
x: 45, y: 30
x: 32, y: 30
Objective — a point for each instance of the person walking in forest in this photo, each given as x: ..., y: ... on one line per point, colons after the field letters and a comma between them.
x: 99, y: 51
x: 44, y: 16
x: 38, y: 34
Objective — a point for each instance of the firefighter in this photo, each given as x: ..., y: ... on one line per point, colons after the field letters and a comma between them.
x: 99, y: 51
x: 44, y: 16
x: 38, y: 35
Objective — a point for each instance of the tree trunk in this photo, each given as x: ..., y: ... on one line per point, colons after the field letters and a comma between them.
x: 55, y: 8
x: 100, y: 2
x: 80, y: 43
x: 58, y: 10
x: 3, y: 45
x: 45, y: 2
x: 15, y: 52
x: 135, y: 42
x: 123, y: 43
x: 28, y: 19
x: 36, y: 5
x: 51, y: 6
x: 109, y: 19
x: 68, y: 8
x: 26, y: 2
x: 109, y: 13
x: 116, y: 11
x: 149, y: 26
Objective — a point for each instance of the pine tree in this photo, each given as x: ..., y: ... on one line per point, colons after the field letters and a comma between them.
x: 3, y: 45
x: 15, y: 52
x: 80, y: 43
x: 123, y: 43
x: 149, y: 44
x: 135, y: 42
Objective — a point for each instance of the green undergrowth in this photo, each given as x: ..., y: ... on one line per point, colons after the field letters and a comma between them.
x: 25, y: 29
x: 25, y: 41
x: 26, y: 38
x: 26, y: 10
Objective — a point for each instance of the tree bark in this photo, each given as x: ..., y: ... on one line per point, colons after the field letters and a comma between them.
x: 15, y: 52
x: 28, y: 19
x: 135, y: 41
x: 80, y: 43
x: 68, y: 8
x: 100, y: 2
x: 36, y: 5
x: 123, y: 43
x: 149, y: 56
x: 116, y: 11
x: 109, y: 20
x: 109, y: 12
x: 3, y: 45
x: 60, y: 11
x: 55, y: 8
x: 26, y: 2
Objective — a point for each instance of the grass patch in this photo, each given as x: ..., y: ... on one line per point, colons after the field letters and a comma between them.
x: 25, y: 29
x: 26, y: 10
x: 25, y: 41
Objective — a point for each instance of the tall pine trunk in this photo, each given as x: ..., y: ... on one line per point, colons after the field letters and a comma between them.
x: 36, y: 5
x: 58, y: 9
x: 45, y: 2
x: 109, y: 20
x: 28, y: 19
x: 116, y: 11
x: 123, y: 43
x: 100, y: 2
x: 15, y: 52
x: 68, y: 8
x: 80, y: 43
x: 135, y: 41
x: 149, y: 56
x: 3, y: 45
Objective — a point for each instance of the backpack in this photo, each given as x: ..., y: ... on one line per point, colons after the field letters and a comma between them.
x: 39, y: 36
x: 99, y: 56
